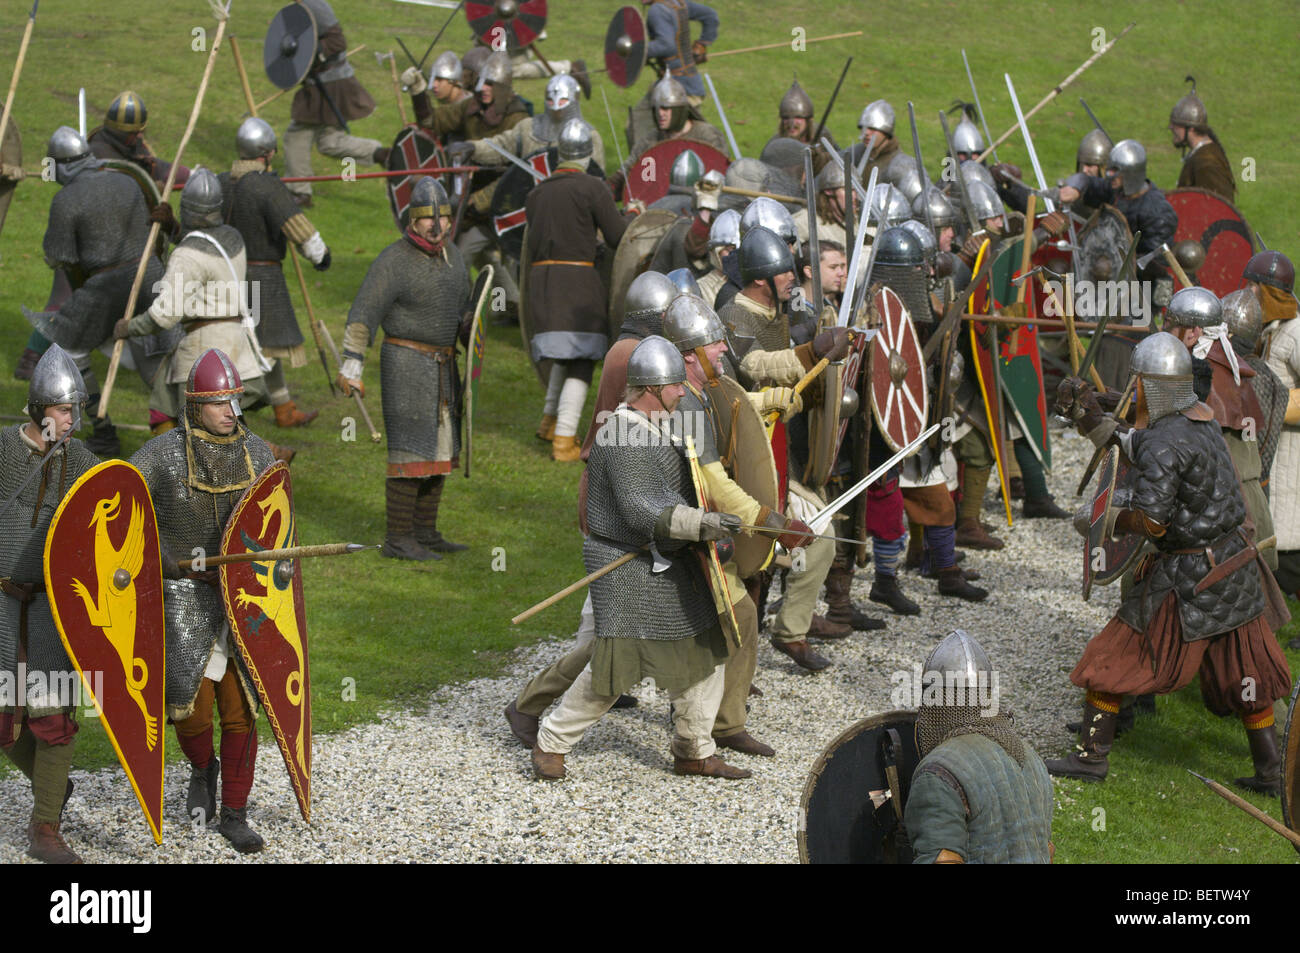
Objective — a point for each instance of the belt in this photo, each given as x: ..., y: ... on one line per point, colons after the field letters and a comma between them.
x: 441, y: 353
x: 113, y: 267
x: 272, y: 263
x: 190, y: 326
x: 556, y: 261
x: 23, y: 592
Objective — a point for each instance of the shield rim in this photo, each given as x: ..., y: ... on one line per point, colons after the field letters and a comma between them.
x: 755, y: 551
x: 823, y: 436
x: 1108, y: 543
x: 301, y: 785
x: 474, y: 359
x: 615, y: 65
x: 11, y: 150
x: 1290, y: 759
x: 906, y: 715
x: 1250, y: 234
x: 854, y: 366
x: 155, y: 827
x: 315, y: 40
x: 708, y: 553
x: 617, y: 309
x: 878, y: 343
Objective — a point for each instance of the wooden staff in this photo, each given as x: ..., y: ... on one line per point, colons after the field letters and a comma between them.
x: 375, y: 435
x: 24, y: 417
x: 1249, y: 808
x: 1072, y: 336
x: 1172, y: 259
x: 275, y: 555
x: 18, y: 70
x: 574, y: 587
x: 243, y: 76
x: 274, y: 96
x: 223, y: 17
x: 754, y: 194
x: 1056, y: 91
x: 397, y: 88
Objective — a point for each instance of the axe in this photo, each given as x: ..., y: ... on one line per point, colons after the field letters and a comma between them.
x: 397, y: 89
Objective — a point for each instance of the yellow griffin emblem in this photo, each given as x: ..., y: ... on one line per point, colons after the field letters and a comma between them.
x: 276, y: 602
x: 115, y: 611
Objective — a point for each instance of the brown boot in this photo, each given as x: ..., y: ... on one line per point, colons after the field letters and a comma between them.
x: 547, y: 766
x: 282, y: 453
x: 565, y: 449
x: 840, y: 609
x: 972, y: 535
x: 823, y: 628
x: 746, y: 743
x: 1268, y: 762
x: 952, y: 582
x: 803, y: 654
x: 546, y: 429
x: 885, y: 591
x: 45, y: 844
x: 710, y: 767
x: 1089, y: 761
x: 915, y: 547
x: 288, y: 415
x: 523, y: 727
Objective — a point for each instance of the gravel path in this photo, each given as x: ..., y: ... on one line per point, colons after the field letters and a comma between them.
x: 450, y: 784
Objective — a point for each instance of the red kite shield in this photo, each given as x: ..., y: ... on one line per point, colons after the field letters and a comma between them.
x: 1222, y: 231
x: 268, y: 617
x: 896, y: 371
x: 507, y: 25
x: 648, y: 179
x: 413, y: 149
x: 103, y: 576
x: 625, y: 43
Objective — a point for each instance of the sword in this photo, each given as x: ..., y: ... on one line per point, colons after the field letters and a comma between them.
x: 722, y: 114
x: 822, y: 519
x: 439, y: 34
x: 1029, y: 144
x: 865, y: 281
x: 768, y: 530
x: 920, y: 168
x: 961, y: 179
x: 822, y: 125
x: 81, y: 111
x: 329, y: 101
x: 618, y: 148
x: 847, y: 301
x: 515, y: 159
x: 1252, y: 810
x: 1093, y: 116
x: 814, y: 247
x: 978, y: 108
x: 275, y: 555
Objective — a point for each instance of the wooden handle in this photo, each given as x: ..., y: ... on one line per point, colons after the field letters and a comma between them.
x: 243, y: 76
x: 18, y: 71
x: 775, y: 415
x: 574, y: 587
x: 1172, y: 259
x: 397, y: 88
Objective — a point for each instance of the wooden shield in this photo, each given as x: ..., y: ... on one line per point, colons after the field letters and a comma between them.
x: 747, y: 456
x: 474, y: 359
x: 1291, y: 766
x: 103, y: 576
x: 649, y: 176
x: 507, y: 25
x: 852, y: 376
x: 625, y: 43
x: 413, y: 149
x: 1106, y: 559
x: 264, y: 604
x: 1222, y: 231
x: 896, y: 372
x: 635, y: 252
x: 824, y: 425
x: 1021, y: 367
x: 11, y: 153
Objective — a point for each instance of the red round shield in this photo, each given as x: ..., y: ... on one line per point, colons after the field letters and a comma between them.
x: 1223, y: 233
x: 625, y: 43
x: 103, y: 576
x: 899, y: 396
x: 268, y: 617
x: 649, y: 176
x: 507, y: 25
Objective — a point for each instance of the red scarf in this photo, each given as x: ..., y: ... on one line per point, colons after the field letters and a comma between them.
x: 430, y: 248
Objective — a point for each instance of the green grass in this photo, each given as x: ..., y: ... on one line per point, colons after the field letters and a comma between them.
x: 401, y: 630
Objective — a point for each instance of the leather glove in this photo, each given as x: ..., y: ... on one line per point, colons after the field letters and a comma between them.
x: 1003, y: 171
x: 170, y: 568
x: 459, y: 153
x: 466, y: 323
x: 414, y: 81
x: 832, y: 344
x: 324, y: 263
x: 1109, y: 401
x: 122, y: 329
x: 699, y: 52
x: 348, y: 386
x: 718, y: 526
x: 1054, y: 222
x: 970, y: 248
x: 162, y: 214
x: 781, y: 400
x: 1077, y: 401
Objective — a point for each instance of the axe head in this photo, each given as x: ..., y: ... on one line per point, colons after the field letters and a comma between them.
x: 1150, y: 257
x: 660, y: 561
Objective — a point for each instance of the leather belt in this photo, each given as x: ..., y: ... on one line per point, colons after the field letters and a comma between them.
x: 189, y: 326
x: 113, y: 267
x: 1229, y: 565
x: 253, y: 261
x: 441, y: 353
x: 556, y: 261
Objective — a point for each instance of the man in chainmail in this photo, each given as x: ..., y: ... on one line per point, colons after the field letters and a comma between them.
x: 980, y: 794
x: 660, y: 625
x: 312, y: 118
x: 417, y: 290
x: 122, y: 137
x: 1245, y: 320
x: 1203, y: 601
x: 98, y: 228
x: 261, y: 208
x: 39, y: 463
x: 196, y: 473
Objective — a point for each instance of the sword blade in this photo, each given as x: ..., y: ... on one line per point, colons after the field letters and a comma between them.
x: 1093, y: 116
x: 513, y: 158
x: 1029, y: 144
x: 722, y: 114
x: 768, y: 530
x: 814, y: 246
x: 831, y: 102
x: 961, y: 179
x: 823, y: 517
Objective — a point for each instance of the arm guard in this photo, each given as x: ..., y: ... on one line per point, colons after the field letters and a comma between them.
x: 679, y: 522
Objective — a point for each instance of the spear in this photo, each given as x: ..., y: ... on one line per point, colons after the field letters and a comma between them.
x: 275, y: 555
x: 1249, y: 808
x: 223, y: 17
x: 1056, y: 90
x: 18, y: 69
x: 817, y: 136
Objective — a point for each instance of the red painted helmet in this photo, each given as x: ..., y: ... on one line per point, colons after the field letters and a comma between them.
x: 1271, y: 268
x: 214, y: 380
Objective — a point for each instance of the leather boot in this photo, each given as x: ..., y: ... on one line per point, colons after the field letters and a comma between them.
x: 282, y: 453
x: 1016, y: 486
x: 1089, y: 762
x: 1044, y: 509
x: 202, y: 795
x: 565, y: 449
x: 1123, y: 722
x: 523, y: 727
x: 288, y: 415
x: 424, y: 519
x: 710, y: 767
x: 26, y: 365
x: 625, y: 701
x: 1268, y: 762
x: 972, y: 535
x: 823, y: 628
x: 547, y: 766
x: 546, y: 429
x: 746, y: 743
x: 234, y: 828
x: 406, y: 547
x: 885, y: 591
x: 46, y: 844
x: 803, y: 654
x: 915, y: 547
x: 103, y: 438
x: 840, y: 609
x: 400, y: 496
x: 952, y: 582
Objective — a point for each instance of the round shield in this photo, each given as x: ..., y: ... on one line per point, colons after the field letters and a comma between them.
x: 414, y: 149
x: 1291, y: 766
x: 649, y: 176
x: 290, y: 46
x: 625, y: 42
x: 507, y: 25
x: 899, y: 395
x: 635, y: 252
x: 1103, y: 243
x: 1105, y: 558
x: 1221, y: 230
x: 852, y: 806
x: 747, y: 456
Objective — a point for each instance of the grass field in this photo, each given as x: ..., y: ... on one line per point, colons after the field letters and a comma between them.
x: 398, y: 630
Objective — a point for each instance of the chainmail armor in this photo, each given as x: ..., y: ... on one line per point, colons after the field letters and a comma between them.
x: 910, y: 284
x: 935, y: 724
x: 257, y: 204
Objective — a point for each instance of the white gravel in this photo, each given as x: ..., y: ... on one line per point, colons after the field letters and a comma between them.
x: 450, y: 783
